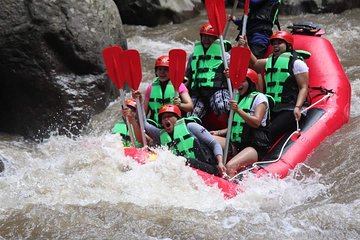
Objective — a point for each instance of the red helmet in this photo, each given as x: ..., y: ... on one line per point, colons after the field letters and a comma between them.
x: 162, y: 61
x: 283, y: 35
x: 130, y: 102
x: 208, y: 30
x: 170, y: 108
x: 252, y: 75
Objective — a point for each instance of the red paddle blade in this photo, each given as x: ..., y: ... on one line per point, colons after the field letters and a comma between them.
x: 177, y: 65
x: 131, y: 64
x: 239, y: 63
x: 217, y: 14
x: 111, y: 59
x: 246, y: 7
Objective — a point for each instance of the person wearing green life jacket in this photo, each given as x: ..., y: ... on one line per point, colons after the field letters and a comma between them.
x: 161, y: 91
x: 205, y: 73
x: 249, y: 138
x: 286, y: 78
x: 186, y: 137
x: 121, y: 128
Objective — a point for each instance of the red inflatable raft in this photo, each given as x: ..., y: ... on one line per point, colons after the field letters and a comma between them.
x: 330, y: 94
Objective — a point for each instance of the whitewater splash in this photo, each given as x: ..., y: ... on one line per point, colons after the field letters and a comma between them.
x: 93, y: 169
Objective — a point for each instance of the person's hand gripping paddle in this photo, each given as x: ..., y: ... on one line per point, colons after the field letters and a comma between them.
x: 111, y: 57
x: 131, y: 65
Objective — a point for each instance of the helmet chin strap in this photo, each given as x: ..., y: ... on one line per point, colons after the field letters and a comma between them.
x: 288, y: 47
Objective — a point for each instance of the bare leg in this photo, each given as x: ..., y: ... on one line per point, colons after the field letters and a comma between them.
x: 246, y: 157
x: 220, y: 140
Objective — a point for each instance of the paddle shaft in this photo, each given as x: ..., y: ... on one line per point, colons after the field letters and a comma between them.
x: 228, y: 22
x: 122, y: 99
x: 245, y: 18
x: 131, y: 64
x: 111, y: 58
x: 231, y: 115
x: 228, y: 132
x: 243, y: 31
x: 225, y: 64
x: 141, y: 120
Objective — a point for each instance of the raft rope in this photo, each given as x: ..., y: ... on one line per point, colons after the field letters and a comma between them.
x: 255, y: 164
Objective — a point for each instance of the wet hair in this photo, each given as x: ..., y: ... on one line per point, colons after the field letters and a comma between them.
x: 251, y: 88
x: 132, y: 108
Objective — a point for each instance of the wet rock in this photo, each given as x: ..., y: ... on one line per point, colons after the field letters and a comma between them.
x: 52, y: 75
x: 156, y: 12
x: 2, y: 166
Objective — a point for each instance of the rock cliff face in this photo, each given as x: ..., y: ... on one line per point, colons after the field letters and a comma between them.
x: 52, y: 73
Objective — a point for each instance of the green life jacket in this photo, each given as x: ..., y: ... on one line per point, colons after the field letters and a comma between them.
x: 182, y: 143
x: 279, y: 78
x: 158, y: 98
x: 120, y: 127
x: 240, y: 129
x: 207, y: 68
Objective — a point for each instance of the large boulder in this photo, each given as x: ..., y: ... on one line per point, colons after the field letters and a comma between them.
x: 155, y: 12
x: 52, y: 74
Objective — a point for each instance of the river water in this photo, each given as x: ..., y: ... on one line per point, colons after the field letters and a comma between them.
x: 85, y: 188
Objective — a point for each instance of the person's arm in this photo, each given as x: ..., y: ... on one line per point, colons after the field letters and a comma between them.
x: 261, y: 83
x: 252, y: 120
x: 257, y: 65
x: 301, y: 72
x: 220, y: 132
x: 137, y: 94
x: 185, y: 104
x: 153, y: 132
x: 206, y: 138
x: 147, y: 99
x: 131, y: 117
x: 236, y: 20
x: 302, y: 82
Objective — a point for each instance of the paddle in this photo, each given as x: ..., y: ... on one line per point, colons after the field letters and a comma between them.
x: 111, y: 59
x: 131, y: 65
x: 217, y: 17
x: 229, y: 20
x: 241, y: 57
x: 245, y: 18
x: 239, y: 61
x: 177, y: 66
